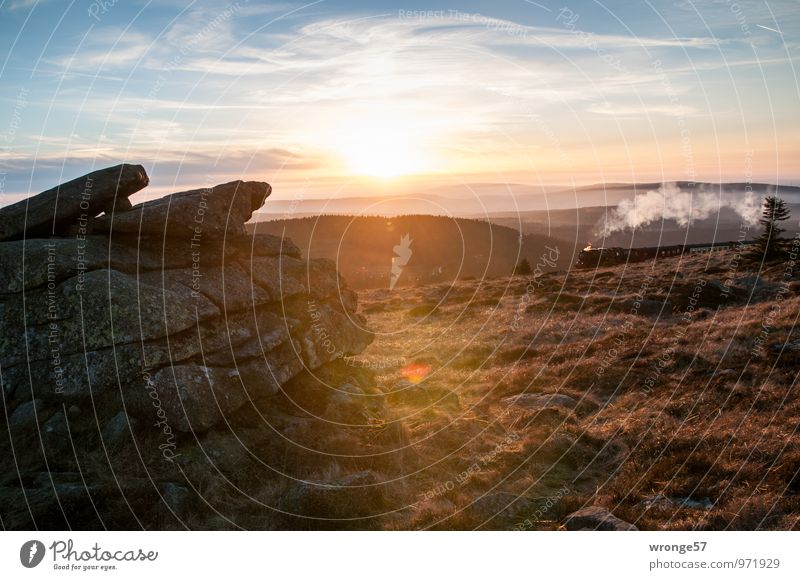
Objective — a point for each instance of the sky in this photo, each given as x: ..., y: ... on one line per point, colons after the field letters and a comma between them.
x: 345, y: 98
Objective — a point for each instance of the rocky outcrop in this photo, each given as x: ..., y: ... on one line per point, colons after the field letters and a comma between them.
x: 157, y: 351
x: 596, y: 518
x: 73, y: 203
x: 213, y: 213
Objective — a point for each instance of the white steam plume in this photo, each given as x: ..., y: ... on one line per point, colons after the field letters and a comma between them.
x: 670, y: 203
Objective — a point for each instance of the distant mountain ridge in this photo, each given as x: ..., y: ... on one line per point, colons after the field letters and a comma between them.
x: 488, y: 199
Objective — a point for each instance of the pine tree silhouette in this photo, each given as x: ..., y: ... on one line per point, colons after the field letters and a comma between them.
x: 523, y: 268
x: 769, y: 244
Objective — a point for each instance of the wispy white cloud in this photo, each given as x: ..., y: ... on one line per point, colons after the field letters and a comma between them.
x: 204, y: 27
x: 459, y: 84
x: 23, y: 4
x: 107, y: 49
x: 622, y: 111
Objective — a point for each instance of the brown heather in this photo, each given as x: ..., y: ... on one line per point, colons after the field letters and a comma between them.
x: 707, y: 440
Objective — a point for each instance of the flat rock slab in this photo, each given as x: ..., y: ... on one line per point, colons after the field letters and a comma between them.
x: 212, y: 213
x: 73, y: 203
x: 533, y: 402
x: 597, y: 518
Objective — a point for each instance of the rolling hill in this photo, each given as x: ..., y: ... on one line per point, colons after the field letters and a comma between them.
x: 441, y: 249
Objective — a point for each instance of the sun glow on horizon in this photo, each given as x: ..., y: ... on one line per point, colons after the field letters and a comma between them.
x: 382, y: 147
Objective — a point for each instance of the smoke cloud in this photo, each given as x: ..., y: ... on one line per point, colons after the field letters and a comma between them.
x: 668, y: 202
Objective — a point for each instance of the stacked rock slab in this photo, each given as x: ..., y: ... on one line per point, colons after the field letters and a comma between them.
x: 106, y: 190
x: 147, y: 350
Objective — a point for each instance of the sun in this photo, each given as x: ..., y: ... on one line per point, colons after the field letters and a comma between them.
x: 382, y: 147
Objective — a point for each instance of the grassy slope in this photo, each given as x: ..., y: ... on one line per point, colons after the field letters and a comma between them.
x: 678, y: 425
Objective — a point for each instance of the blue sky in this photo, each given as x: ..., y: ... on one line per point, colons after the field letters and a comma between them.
x: 341, y: 98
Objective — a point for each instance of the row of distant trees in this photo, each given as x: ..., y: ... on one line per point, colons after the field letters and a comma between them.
x: 769, y: 245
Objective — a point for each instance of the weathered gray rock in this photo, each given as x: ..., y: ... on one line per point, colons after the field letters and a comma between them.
x: 264, y: 377
x: 332, y: 334
x: 329, y: 395
x: 34, y: 262
x: 237, y: 339
x: 717, y: 288
x: 663, y: 502
x: 193, y: 397
x: 244, y: 336
x: 56, y: 436
x: 97, y: 371
x: 284, y: 277
x: 703, y: 294
x: 597, y: 518
x: 27, y: 416
x: 755, y: 288
x: 338, y: 393
x: 229, y: 287
x: 646, y: 307
x: 96, y: 311
x: 352, y: 496
x: 237, y: 453
x: 178, y: 497
x: 117, y: 432
x: 225, y: 451
x: 199, y: 215
x: 131, y: 253
x: 347, y: 404
x: 53, y: 505
x: 72, y: 203
x: 792, y: 347
x: 196, y: 397
x: 264, y: 245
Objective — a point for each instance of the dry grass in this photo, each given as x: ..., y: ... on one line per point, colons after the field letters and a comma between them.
x: 678, y: 423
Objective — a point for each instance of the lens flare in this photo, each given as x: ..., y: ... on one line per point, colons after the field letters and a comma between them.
x: 415, y: 372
